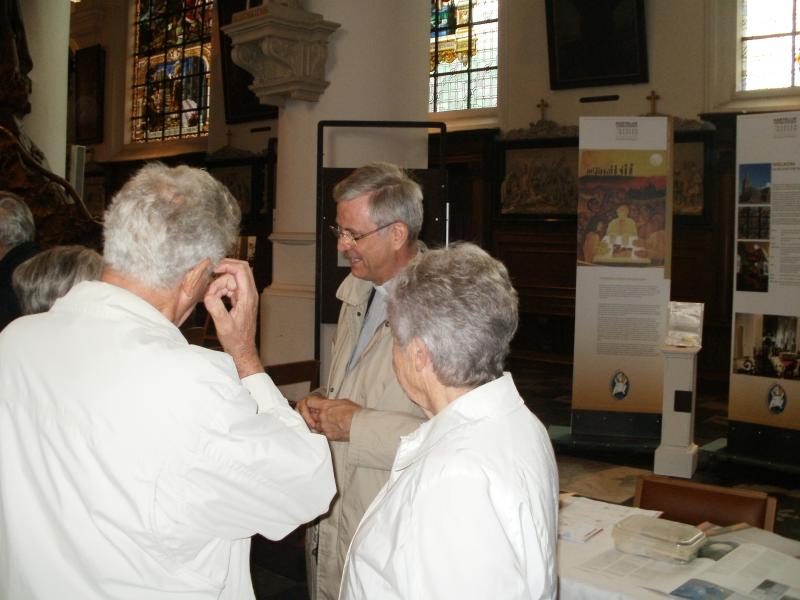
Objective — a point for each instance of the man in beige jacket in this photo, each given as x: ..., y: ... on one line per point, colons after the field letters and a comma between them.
x: 363, y: 411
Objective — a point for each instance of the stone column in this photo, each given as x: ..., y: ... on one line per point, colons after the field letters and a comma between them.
x: 378, y: 69
x: 47, y: 30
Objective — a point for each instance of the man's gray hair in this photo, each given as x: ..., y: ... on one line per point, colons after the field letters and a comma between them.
x: 460, y: 302
x: 16, y: 221
x: 394, y: 195
x: 164, y: 221
x: 44, y: 278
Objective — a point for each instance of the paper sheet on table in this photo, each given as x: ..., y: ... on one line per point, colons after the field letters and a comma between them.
x: 581, y: 518
x: 748, y: 571
x: 773, y: 541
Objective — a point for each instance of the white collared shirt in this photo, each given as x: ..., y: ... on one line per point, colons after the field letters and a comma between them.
x: 469, y: 511
x: 135, y: 466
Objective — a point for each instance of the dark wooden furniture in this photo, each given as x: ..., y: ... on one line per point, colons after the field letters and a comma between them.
x: 694, y: 503
x: 295, y: 372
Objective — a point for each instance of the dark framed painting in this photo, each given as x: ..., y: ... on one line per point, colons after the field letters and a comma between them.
x: 89, y: 91
x: 538, y: 178
x: 690, y: 183
x: 94, y: 195
x: 245, y: 178
x: 596, y: 42
x: 251, y: 180
x: 241, y: 104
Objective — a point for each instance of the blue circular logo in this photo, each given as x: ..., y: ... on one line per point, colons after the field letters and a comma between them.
x: 777, y: 399
x: 620, y: 385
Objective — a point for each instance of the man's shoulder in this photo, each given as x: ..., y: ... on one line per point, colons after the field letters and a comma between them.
x: 353, y: 290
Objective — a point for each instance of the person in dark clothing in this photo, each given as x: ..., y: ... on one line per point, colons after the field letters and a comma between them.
x: 16, y: 246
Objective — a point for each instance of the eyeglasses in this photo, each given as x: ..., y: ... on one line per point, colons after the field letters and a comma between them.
x: 349, y: 238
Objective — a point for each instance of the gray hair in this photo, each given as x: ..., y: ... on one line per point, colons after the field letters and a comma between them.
x: 44, y: 278
x: 16, y: 221
x: 393, y: 195
x: 164, y: 221
x: 460, y: 302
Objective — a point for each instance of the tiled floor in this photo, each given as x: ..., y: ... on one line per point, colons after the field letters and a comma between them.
x: 279, y: 571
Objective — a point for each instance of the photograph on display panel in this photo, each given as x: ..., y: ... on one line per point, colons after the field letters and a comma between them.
x: 752, y: 266
x: 622, y: 207
x: 766, y: 346
x: 755, y: 181
x: 753, y: 222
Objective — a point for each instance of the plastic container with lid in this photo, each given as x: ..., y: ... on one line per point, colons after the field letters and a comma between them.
x: 657, y: 538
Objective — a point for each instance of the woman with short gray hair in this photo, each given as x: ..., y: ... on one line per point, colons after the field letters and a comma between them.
x: 43, y: 279
x: 470, y: 509
x: 17, y: 230
x: 16, y: 222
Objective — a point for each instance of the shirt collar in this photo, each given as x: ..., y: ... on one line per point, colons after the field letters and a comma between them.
x: 100, y: 297
x: 497, y: 397
x: 386, y: 287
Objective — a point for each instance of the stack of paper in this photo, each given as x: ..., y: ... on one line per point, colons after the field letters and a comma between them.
x: 581, y: 518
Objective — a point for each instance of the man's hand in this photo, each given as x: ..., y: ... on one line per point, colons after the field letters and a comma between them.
x: 333, y: 417
x: 310, y: 415
x: 236, y: 329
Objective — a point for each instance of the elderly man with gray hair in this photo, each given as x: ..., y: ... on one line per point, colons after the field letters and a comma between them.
x: 363, y: 411
x: 17, y: 231
x: 470, y: 508
x: 133, y: 465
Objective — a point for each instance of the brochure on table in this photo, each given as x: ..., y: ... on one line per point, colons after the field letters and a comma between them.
x: 765, y: 363
x: 624, y: 251
x: 724, y: 570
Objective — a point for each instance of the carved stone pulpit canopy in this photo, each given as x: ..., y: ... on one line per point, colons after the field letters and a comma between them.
x: 284, y: 47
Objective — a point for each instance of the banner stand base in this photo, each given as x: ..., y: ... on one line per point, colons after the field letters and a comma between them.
x: 630, y: 427
x: 562, y: 438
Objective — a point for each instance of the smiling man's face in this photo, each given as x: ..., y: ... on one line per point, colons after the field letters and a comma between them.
x: 372, y: 257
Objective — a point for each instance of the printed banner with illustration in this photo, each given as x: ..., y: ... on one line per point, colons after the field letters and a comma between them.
x: 765, y: 365
x: 624, y: 251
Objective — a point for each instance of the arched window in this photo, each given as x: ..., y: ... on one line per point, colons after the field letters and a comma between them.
x: 769, y: 44
x: 171, y: 69
x: 463, y: 55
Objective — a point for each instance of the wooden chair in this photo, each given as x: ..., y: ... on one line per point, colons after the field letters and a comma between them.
x: 295, y: 372
x: 694, y: 503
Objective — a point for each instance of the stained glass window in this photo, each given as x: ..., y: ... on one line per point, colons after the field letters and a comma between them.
x: 463, y: 55
x: 769, y: 44
x: 171, y: 74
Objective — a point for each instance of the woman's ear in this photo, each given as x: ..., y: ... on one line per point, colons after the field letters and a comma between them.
x: 421, y: 354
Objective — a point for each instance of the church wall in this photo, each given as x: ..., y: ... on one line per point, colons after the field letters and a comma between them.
x: 676, y: 34
x: 676, y: 55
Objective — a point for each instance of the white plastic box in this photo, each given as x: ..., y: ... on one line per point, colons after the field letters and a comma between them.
x: 657, y: 538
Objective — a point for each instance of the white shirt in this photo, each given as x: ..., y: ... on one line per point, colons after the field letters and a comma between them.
x: 375, y: 317
x: 133, y: 465
x: 469, y: 511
